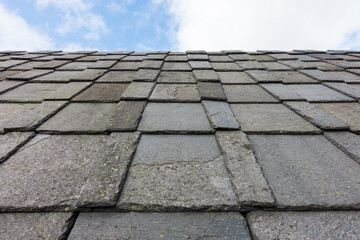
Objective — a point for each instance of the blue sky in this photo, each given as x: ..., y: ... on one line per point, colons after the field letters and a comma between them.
x: 109, y: 25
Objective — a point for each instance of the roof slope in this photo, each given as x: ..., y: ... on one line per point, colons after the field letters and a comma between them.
x: 180, y: 145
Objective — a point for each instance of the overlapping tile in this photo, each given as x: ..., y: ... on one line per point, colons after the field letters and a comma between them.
x: 247, y: 94
x: 138, y: 91
x: 175, y: 93
x: 281, y: 91
x: 347, y: 142
x: 220, y: 115
x: 211, y: 91
x: 9, y: 85
x: 352, y: 90
x: 102, y: 92
x: 206, y: 76
x: 176, y: 77
x: 235, y: 78
x: 117, y: 76
x: 10, y: 142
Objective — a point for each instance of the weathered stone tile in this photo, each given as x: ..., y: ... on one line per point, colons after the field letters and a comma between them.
x: 57, y: 76
x: 325, y: 56
x: 241, y: 57
x: 149, y: 75
x: 211, y: 91
x: 345, y: 64
x: 29, y: 74
x: 138, y: 90
x: 235, y: 78
x: 250, y: 65
x: 352, y: 90
x: 103, y: 64
x: 283, y: 56
x: 305, y: 225
x: 263, y: 76
x: 198, y: 57
x: 247, y: 94
x: 323, y: 66
x: 293, y: 77
x: 273, y: 66
x: 347, y: 112
x: 332, y: 76
x: 262, y: 58
x: 26, y: 116
x: 225, y: 66
x: 174, y: 117
x: 176, y: 58
x: 245, y: 173
x: 96, y: 117
x: 174, y: 226
x: 319, y: 93
x: 11, y: 63
x: 76, y: 66
x: 89, y: 173
x: 134, y: 58
x: 175, y: 172
x: 26, y: 56
x: 306, y: 58
x: 297, y: 64
x: 200, y: 65
x: 347, y: 142
x: 316, y: 115
x: 28, y: 65
x: 220, y: 58
x: 308, y: 172
x: 281, y: 91
x: 10, y: 142
x: 52, y: 64
x: 147, y: 64
x: 88, y: 75
x: 175, y: 93
x: 206, y: 75
x: 130, y: 66
x: 33, y: 225
x: 7, y: 73
x: 102, y: 92
x: 220, y: 115
x: 176, y: 77
x: 155, y: 56
x: 8, y: 85
x: 38, y: 92
x: 118, y: 76
x: 69, y: 56
x: 356, y: 71
x: 270, y: 118
x: 176, y: 66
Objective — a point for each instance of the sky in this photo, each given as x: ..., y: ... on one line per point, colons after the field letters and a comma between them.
x: 179, y: 25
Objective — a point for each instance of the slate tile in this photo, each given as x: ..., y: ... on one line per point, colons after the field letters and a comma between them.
x: 325, y: 56
x: 220, y: 58
x: 263, y: 76
x: 177, y: 172
x: 206, y: 75
x: 176, y: 66
x: 88, y: 75
x: 270, y: 118
x: 11, y: 141
x: 175, y: 58
x: 347, y: 57
x: 29, y: 74
x: 160, y: 225
x: 149, y: 75
x: 134, y: 58
x: 176, y: 77
x: 33, y: 225
x: 281, y: 92
x: 307, y: 172
x: 345, y: 64
x: 151, y: 64
x: 95, y: 117
x: 296, y: 64
x: 102, y: 92
x: 38, y: 92
x: 52, y: 64
x: 247, y: 94
x: 104, y: 64
x: 26, y: 56
x: 261, y: 58
x: 347, y: 142
x: 275, y: 66
x: 306, y: 58
x: 235, y: 78
x: 225, y: 66
x: 175, y: 93
x: 89, y: 173
x: 352, y: 90
x: 283, y: 56
x: 241, y: 57
x: 174, y: 117
x: 323, y: 66
x: 8, y: 73
x: 305, y: 225
x: 356, y: 71
x: 200, y: 65
x: 76, y: 66
x: 220, y: 115
x: 332, y: 76
x: 129, y: 66
x: 316, y: 115
x: 9, y: 85
x: 293, y: 77
x: 198, y: 57
x: 250, y: 65
x: 57, y: 76
x: 347, y: 112
x: 138, y: 90
x: 211, y: 91
x: 249, y: 183
x: 195, y: 52
x: 28, y: 65
x: 107, y: 57
x: 318, y: 93
x: 118, y: 76
x: 16, y: 116
x: 155, y: 57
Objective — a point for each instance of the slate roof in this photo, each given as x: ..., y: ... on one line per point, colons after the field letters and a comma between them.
x: 180, y: 145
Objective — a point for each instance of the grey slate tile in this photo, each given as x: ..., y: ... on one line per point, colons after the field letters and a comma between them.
x: 138, y: 90
x: 32, y: 225
x: 155, y: 57
x: 293, y: 77
x: 118, y: 76
x: 206, y: 75
x: 57, y: 76
x: 28, y: 65
x: 283, y: 56
x: 262, y: 58
x: 347, y: 142
x: 8, y: 85
x: 52, y: 64
x: 275, y: 66
x: 149, y: 75
x: 241, y: 57
x: 11, y: 63
x: 225, y: 66
x: 38, y: 92
x: 11, y: 141
x: 297, y: 64
x: 325, y: 56
x: 197, y: 57
x: 26, y: 56
x: 176, y: 77
x: 29, y: 74
x: 102, y: 92
x: 270, y: 118
x: 174, y: 226
x: 220, y: 58
x: 305, y: 225
x: 316, y: 115
x: 88, y: 75
x: 251, y: 65
x: 176, y: 66
x: 306, y: 58
x: 177, y: 172
x: 352, y: 90
x: 324, y: 66
x: 7, y: 73
x: 69, y: 56
x: 247, y: 94
x: 332, y: 76
x: 220, y: 115
x: 26, y: 116
x: 345, y: 64
x: 76, y: 66
x: 281, y: 92
x: 249, y: 183
x: 307, y: 172
x: 130, y: 66
x: 175, y: 93
x: 89, y: 173
x: 104, y: 64
x: 147, y: 64
x: 235, y: 78
x: 200, y: 65
x: 263, y: 76
x: 134, y: 58
x: 319, y: 93
x: 175, y: 58
x: 174, y: 117
x: 211, y: 91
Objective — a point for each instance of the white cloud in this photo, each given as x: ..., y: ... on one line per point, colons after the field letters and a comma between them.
x: 77, y: 15
x: 114, y: 6
x: 74, y: 46
x: 264, y: 24
x: 16, y: 34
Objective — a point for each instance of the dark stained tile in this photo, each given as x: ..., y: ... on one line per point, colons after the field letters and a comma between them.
x: 211, y: 91
x: 102, y: 92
